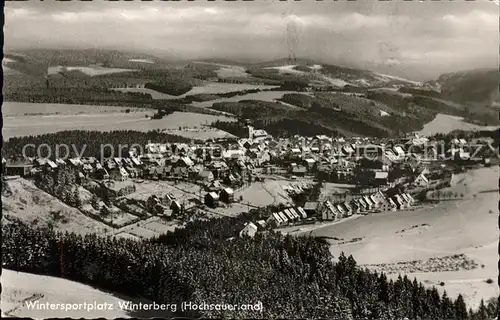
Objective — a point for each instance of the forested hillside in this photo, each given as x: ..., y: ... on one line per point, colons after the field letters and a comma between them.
x: 292, y: 277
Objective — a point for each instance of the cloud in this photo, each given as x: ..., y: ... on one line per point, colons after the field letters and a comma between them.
x: 406, y: 36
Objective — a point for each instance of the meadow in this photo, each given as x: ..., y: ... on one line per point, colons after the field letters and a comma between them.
x: 445, y: 123
x: 22, y: 119
x: 466, y: 227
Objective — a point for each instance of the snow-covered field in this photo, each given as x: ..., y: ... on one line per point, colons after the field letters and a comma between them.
x: 466, y: 227
x: 29, y: 125
x: 445, y: 123
x: 388, y: 78
x: 142, y: 61
x: 270, y: 96
x: 21, y: 291
x: 90, y: 71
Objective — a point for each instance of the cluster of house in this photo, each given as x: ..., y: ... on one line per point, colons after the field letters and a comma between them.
x: 232, y: 162
x: 376, y: 202
x: 286, y: 216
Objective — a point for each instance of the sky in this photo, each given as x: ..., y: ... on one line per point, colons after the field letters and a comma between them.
x: 416, y: 40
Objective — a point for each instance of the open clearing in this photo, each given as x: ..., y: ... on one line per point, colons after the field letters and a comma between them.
x: 445, y: 123
x: 90, y: 71
x: 207, y: 87
x: 20, y: 288
x: 17, y: 109
x: 466, y: 227
x: 36, y: 207
x: 32, y: 125
x: 271, y: 96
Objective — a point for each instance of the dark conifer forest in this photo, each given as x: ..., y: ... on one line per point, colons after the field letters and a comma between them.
x: 293, y: 277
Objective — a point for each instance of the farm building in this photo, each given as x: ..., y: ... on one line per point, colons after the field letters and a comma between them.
x: 227, y: 195
x: 212, y: 199
x: 250, y: 230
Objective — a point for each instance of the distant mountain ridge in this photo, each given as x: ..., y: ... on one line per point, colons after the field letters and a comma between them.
x: 477, y: 86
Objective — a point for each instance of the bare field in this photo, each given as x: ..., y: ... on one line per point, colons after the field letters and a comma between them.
x: 269, y: 192
x: 453, y: 227
x: 37, y: 208
x: 10, y: 109
x: 30, y: 125
x: 444, y: 124
x: 20, y: 288
x: 151, y: 227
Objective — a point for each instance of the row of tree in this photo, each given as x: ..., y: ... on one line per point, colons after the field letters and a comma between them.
x: 61, y: 183
x: 83, y: 143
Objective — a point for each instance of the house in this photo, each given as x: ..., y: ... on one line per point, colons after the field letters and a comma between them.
x: 299, y: 170
x: 294, y: 213
x: 215, y: 186
x: 4, y: 164
x: 388, y: 205
x: 175, y: 206
x: 341, y: 210
x: 355, y: 206
x: 20, y: 169
x: 289, y: 215
x: 311, y: 208
x: 212, y: 199
x: 400, y: 153
x: 369, y: 203
x: 102, y: 174
x: 411, y: 200
x: 349, y: 210
x: 399, y: 203
x: 421, y: 181
x: 309, y: 163
x: 154, y: 205
x: 227, y: 195
x: 275, y: 220
x: 362, y: 205
x: 329, y: 211
x: 376, y: 201
x: 206, y: 176
x: 283, y: 217
x: 381, y: 177
x: 249, y: 230
x: 230, y: 180
x: 302, y: 212
x: 378, y: 196
x: 261, y: 224
x: 52, y: 165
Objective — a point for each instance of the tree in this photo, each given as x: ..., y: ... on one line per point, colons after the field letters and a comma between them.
x: 460, y: 308
x: 482, y: 312
x: 94, y: 202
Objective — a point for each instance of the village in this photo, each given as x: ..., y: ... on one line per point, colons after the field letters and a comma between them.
x: 306, y: 180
